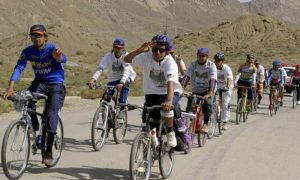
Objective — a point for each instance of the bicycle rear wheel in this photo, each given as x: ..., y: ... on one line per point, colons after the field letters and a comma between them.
x: 58, y: 144
x: 120, y: 128
x: 201, y: 137
x: 140, y: 157
x: 99, y: 128
x: 166, y: 160
x: 15, y: 150
x: 238, y: 113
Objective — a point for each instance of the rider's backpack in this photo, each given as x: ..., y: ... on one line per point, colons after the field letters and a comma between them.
x: 183, y: 136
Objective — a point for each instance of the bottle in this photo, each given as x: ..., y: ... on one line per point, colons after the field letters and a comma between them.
x: 154, y: 137
x: 39, y: 142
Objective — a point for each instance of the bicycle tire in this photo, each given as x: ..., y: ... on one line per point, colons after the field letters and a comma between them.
x: 119, y: 130
x: 212, y: 125
x: 238, y: 114
x: 140, y: 140
x: 58, y: 144
x: 8, y: 164
x: 166, y: 160
x: 294, y: 98
x: 100, y: 117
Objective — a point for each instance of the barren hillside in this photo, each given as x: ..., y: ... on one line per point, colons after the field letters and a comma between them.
x: 263, y: 36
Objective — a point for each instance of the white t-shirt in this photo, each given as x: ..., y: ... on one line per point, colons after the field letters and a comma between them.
x: 201, y: 74
x: 260, y: 73
x: 223, y: 75
x: 116, y: 67
x: 156, y: 75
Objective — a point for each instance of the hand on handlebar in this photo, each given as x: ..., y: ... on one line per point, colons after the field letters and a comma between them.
x: 119, y: 87
x: 166, y: 106
x: 91, y: 83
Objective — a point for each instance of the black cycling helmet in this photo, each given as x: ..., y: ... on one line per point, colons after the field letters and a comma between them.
x: 161, y: 39
x: 219, y: 56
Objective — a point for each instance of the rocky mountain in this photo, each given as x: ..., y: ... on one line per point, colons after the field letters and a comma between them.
x: 260, y: 35
x: 285, y: 10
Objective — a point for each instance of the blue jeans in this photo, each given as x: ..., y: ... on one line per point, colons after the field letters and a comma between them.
x: 123, y: 94
x: 54, y: 102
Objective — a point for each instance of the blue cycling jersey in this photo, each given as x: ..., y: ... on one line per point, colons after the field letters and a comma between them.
x: 45, y: 67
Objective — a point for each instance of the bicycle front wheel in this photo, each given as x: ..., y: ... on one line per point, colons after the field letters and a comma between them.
x: 294, y: 98
x: 120, y: 127
x: 140, y: 157
x: 15, y: 150
x: 212, y: 124
x: 99, y: 128
x: 238, y: 113
x: 58, y: 144
x: 166, y: 160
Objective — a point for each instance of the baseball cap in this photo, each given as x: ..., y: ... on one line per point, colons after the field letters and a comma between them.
x: 38, y: 29
x: 119, y: 43
x: 203, y: 51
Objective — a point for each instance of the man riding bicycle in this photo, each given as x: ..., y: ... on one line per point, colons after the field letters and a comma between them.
x: 203, y: 76
x: 260, y: 79
x: 224, y: 81
x: 246, y: 77
x: 47, y: 63
x: 275, y: 78
x: 120, y: 74
x: 160, y: 78
x: 295, y: 80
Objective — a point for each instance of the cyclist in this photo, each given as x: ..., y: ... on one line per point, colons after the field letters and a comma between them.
x: 120, y: 74
x: 47, y: 62
x: 246, y: 77
x: 295, y: 79
x: 203, y: 76
x: 275, y: 77
x: 160, y: 78
x: 260, y: 79
x: 224, y: 81
x: 179, y: 61
x: 284, y: 81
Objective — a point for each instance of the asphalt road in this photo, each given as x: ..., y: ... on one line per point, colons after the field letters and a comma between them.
x: 263, y: 148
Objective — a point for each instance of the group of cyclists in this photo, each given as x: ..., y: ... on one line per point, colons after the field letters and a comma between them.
x: 165, y: 77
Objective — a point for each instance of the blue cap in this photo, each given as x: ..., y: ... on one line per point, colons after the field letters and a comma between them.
x: 203, y: 51
x: 119, y: 43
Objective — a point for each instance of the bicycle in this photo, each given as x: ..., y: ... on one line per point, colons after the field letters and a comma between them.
x: 275, y: 102
x: 145, y: 149
x: 218, y: 107
x: 106, y: 117
x: 242, y: 107
x: 294, y: 92
x: 196, y: 119
x: 20, y: 132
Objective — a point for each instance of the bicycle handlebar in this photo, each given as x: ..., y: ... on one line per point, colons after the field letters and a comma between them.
x: 187, y: 95
x: 101, y: 86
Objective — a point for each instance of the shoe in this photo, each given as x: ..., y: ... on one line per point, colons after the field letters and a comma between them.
x: 205, y: 128
x: 171, y: 139
x: 47, y: 159
x: 225, y: 126
x: 298, y: 102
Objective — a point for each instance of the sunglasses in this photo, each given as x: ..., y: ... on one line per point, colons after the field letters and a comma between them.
x: 161, y: 50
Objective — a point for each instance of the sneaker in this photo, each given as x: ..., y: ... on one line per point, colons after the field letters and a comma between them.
x: 47, y: 159
x: 205, y: 128
x: 225, y: 126
x: 171, y: 139
x: 298, y: 102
